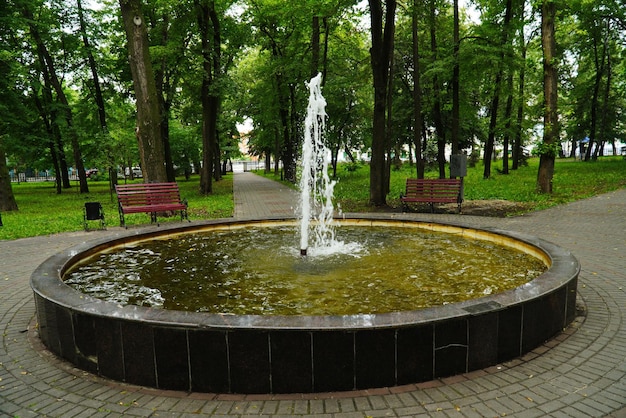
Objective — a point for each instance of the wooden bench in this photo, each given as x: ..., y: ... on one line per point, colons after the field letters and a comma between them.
x: 149, y: 198
x: 433, y: 191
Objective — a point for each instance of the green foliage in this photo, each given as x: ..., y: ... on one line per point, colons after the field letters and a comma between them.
x: 43, y: 212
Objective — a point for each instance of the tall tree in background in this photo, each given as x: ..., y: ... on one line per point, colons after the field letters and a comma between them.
x: 418, y: 121
x: 148, y: 130
x: 495, y: 101
x: 7, y: 200
x: 437, y: 108
x: 97, y: 88
x: 383, y: 32
x: 211, y: 55
x: 48, y: 62
x: 547, y: 150
x: 455, y: 82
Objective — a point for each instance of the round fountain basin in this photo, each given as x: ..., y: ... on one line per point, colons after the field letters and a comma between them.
x: 226, y: 353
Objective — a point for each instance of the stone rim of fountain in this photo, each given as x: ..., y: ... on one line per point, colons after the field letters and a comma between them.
x: 59, y: 304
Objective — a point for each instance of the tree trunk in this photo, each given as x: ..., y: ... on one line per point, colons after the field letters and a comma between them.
x: 94, y: 69
x: 493, y: 122
x: 210, y: 100
x: 389, y: 131
x: 605, y: 129
x: 550, y: 82
x: 455, y: 83
x: 508, y: 115
x: 7, y: 200
x: 97, y: 91
x: 437, y: 116
x: 417, y: 95
x: 164, y: 94
x: 57, y: 154
x: 315, y: 46
x: 291, y: 147
x: 148, y: 129
x: 381, y: 58
x: 517, y: 143
x: 48, y: 62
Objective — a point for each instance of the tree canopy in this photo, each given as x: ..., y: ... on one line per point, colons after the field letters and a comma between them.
x: 164, y: 84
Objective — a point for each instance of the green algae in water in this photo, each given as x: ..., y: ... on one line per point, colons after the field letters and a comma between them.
x: 259, y: 271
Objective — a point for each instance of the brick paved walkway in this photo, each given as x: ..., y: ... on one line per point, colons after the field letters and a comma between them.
x: 581, y: 373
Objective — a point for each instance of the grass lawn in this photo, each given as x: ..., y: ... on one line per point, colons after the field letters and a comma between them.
x: 573, y: 180
x: 43, y: 212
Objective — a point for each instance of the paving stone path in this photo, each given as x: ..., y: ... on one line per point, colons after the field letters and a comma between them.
x: 581, y: 373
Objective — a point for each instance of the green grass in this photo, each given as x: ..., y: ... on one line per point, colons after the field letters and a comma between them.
x: 43, y: 212
x: 573, y: 180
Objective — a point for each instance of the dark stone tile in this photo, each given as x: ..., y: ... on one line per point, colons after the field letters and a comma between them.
x: 451, y: 347
x: 42, y: 321
x: 483, y: 341
x: 450, y: 360
x: 66, y: 333
x: 375, y: 358
x: 570, y: 314
x: 85, y: 334
x: 333, y: 361
x: 415, y: 348
x: 291, y: 361
x: 509, y: 333
x: 109, y: 348
x: 451, y: 332
x: 52, y: 327
x: 249, y: 362
x: 138, y: 345
x: 86, y: 342
x: 543, y: 318
x: 208, y: 358
x: 172, y: 364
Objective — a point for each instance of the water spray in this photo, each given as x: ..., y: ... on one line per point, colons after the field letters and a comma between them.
x: 316, y: 188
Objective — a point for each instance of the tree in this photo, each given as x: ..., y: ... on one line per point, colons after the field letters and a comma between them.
x: 547, y: 150
x: 417, y: 92
x: 210, y: 35
x: 381, y: 53
x: 148, y: 129
x: 496, y: 93
x: 48, y: 63
x: 7, y: 200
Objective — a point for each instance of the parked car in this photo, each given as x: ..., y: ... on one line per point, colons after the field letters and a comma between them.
x: 92, y: 172
x: 135, y: 170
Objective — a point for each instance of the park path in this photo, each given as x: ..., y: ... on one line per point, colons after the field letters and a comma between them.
x: 258, y: 197
x: 581, y: 373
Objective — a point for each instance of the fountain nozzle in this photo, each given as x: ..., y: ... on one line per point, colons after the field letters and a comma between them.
x: 303, y: 252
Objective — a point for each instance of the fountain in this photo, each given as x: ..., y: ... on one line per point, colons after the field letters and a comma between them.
x: 301, y: 353
x: 316, y: 188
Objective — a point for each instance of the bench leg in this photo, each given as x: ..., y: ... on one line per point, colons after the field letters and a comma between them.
x: 183, y: 215
x: 122, y: 221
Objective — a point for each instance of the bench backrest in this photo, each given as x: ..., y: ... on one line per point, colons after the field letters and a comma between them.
x: 433, y: 187
x: 147, y: 194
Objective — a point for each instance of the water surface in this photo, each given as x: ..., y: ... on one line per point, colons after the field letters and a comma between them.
x: 258, y: 270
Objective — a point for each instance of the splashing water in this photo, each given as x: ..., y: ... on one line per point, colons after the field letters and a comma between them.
x: 316, y: 188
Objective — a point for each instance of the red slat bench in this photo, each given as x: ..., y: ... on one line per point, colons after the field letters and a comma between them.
x: 433, y: 191
x: 149, y: 198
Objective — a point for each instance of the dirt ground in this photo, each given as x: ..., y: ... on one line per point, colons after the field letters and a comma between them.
x: 493, y: 208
